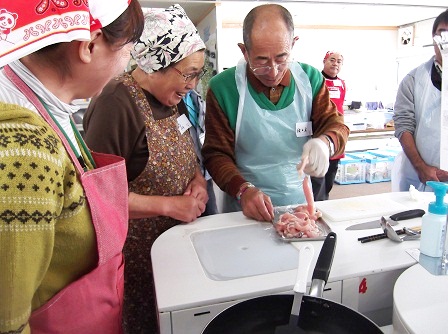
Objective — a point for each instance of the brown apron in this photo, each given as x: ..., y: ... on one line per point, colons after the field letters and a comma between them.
x: 171, y: 166
x: 93, y: 303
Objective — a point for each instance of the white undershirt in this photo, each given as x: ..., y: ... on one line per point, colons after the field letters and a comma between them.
x: 60, y: 110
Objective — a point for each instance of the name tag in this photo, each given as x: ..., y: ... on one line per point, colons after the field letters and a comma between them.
x: 337, y: 83
x: 183, y: 124
x: 335, y: 93
x: 202, y: 138
x: 304, y: 129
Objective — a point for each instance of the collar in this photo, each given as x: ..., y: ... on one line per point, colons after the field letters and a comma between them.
x: 326, y: 76
x: 438, y: 66
x: 436, y: 76
x: 60, y: 110
x: 259, y: 87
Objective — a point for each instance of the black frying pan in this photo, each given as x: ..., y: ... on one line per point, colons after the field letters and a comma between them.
x: 263, y: 315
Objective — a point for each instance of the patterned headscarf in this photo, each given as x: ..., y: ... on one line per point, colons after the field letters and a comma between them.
x: 28, y: 26
x: 168, y: 37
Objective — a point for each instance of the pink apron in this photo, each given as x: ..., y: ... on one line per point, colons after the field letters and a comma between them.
x: 93, y: 303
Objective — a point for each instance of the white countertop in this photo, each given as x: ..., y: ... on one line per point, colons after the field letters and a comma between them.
x: 181, y: 282
x: 420, y: 302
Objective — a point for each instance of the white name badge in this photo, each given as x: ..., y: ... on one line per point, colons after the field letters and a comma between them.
x: 183, y: 124
x: 304, y: 129
x: 337, y: 83
x: 335, y: 94
x: 202, y: 138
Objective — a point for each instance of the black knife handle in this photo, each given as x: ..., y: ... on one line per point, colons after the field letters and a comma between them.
x: 373, y: 238
x: 377, y: 236
x: 409, y: 214
x: 325, y: 259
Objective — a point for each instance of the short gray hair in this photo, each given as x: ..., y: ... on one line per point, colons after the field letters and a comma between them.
x: 251, y: 17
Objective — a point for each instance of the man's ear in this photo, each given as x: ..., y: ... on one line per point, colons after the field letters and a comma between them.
x: 244, y: 51
x: 86, y: 49
x: 242, y: 47
x: 294, y: 40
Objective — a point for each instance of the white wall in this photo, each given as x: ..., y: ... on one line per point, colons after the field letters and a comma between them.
x: 419, y: 51
x: 369, y: 59
x: 207, y: 29
x: 374, y: 62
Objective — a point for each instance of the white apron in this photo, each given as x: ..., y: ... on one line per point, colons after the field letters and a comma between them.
x: 427, y: 133
x: 267, y: 149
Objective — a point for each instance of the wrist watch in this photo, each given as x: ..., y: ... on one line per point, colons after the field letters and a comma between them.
x: 243, y: 188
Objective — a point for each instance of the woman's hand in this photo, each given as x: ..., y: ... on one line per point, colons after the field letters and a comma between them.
x: 185, y: 208
x: 181, y: 207
x: 198, y: 187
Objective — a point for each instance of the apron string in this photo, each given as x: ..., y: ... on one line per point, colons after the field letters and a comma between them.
x: 26, y: 90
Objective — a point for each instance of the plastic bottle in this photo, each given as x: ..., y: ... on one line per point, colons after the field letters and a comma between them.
x: 432, y: 242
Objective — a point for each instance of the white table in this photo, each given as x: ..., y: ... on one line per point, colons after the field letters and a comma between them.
x: 185, y: 292
x: 420, y: 302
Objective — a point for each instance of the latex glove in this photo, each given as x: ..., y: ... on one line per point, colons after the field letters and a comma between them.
x: 317, y: 153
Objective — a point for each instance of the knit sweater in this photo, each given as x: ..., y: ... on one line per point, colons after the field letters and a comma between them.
x: 47, y: 239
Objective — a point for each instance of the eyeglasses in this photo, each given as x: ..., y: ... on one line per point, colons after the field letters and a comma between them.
x: 262, y: 70
x: 192, y: 76
x: 334, y: 60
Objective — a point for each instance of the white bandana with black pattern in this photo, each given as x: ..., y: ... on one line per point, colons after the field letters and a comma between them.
x: 168, y: 37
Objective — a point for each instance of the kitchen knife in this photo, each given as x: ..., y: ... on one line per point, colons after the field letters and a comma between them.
x: 393, y: 220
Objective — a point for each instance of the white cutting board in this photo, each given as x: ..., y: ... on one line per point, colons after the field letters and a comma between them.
x: 358, y: 208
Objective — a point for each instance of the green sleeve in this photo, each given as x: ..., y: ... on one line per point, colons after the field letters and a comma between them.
x: 224, y: 88
x: 316, y: 78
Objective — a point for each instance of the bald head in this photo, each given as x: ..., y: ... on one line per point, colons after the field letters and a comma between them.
x: 265, y: 19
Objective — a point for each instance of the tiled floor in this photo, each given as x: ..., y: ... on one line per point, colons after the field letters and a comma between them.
x: 361, y: 189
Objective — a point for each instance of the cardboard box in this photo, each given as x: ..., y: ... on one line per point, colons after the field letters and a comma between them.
x: 355, y: 121
x: 377, y: 168
x: 351, y: 170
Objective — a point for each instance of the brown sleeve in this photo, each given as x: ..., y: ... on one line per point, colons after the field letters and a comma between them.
x: 113, y: 124
x: 218, y: 150
x: 327, y: 120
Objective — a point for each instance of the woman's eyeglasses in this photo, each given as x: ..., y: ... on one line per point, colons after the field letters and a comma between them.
x: 192, y: 76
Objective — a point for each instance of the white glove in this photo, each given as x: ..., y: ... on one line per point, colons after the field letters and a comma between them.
x: 317, y: 153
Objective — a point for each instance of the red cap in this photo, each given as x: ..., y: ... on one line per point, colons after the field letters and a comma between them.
x: 27, y: 28
x: 329, y: 53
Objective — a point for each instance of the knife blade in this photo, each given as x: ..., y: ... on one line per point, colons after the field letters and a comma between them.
x: 393, y: 220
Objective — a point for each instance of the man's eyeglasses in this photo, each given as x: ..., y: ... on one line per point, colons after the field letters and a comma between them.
x: 262, y: 70
x: 192, y: 76
x: 334, y: 60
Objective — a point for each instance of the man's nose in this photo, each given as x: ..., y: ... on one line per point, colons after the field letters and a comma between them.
x: 273, y: 71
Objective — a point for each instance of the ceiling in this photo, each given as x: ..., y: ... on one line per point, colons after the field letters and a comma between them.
x: 359, y: 13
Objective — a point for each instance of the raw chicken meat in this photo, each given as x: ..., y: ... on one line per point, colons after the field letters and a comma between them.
x: 301, y: 223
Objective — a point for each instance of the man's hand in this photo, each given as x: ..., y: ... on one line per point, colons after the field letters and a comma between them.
x: 430, y: 173
x: 257, y: 205
x: 316, y: 151
x: 442, y: 175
